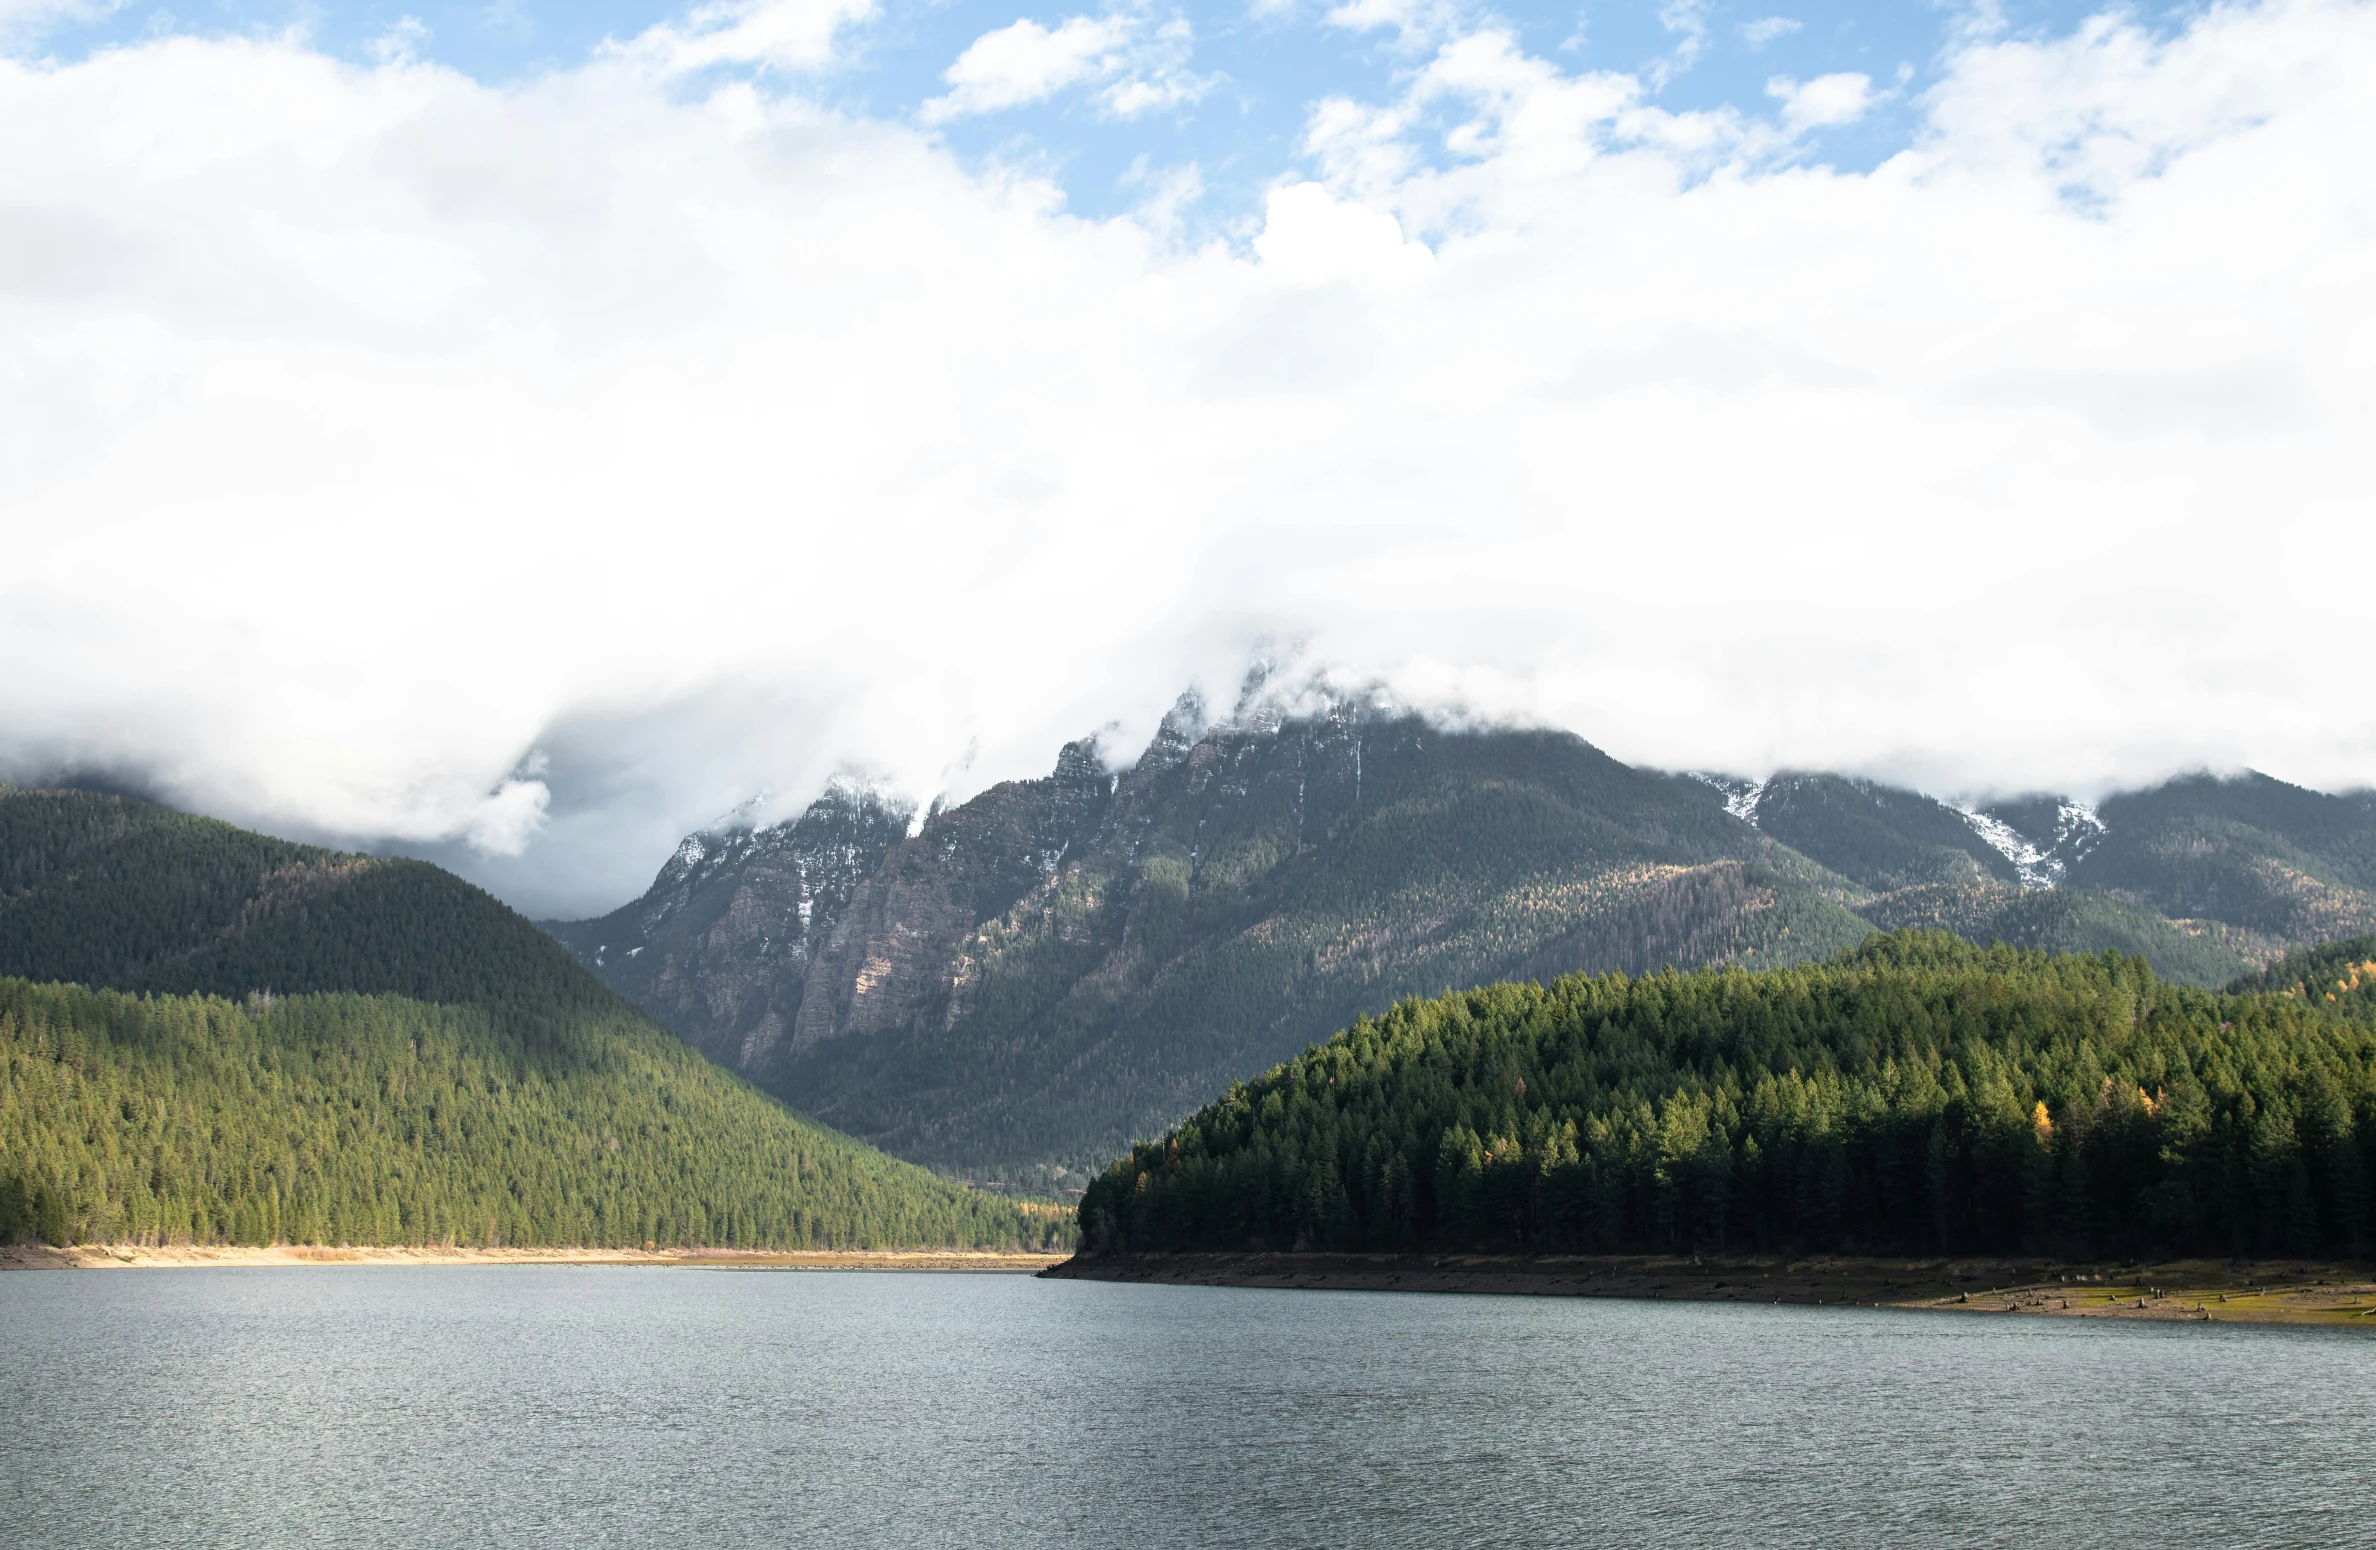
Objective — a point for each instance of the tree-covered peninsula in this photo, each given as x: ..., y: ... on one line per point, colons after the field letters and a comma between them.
x: 1916, y: 1096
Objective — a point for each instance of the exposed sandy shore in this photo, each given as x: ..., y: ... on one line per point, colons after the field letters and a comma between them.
x: 120, y: 1256
x: 2268, y: 1292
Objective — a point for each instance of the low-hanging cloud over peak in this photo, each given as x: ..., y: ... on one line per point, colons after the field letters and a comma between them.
x: 368, y: 432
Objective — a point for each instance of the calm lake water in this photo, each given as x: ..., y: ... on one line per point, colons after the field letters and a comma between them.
x: 532, y: 1406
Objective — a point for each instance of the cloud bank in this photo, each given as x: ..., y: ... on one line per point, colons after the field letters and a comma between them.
x: 537, y: 470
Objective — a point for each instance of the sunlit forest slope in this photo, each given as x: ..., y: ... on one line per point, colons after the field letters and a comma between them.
x: 1918, y: 1095
x: 339, y: 1118
x: 444, y: 1072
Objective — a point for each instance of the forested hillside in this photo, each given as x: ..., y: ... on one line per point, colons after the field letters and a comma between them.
x: 2206, y: 877
x: 1920, y: 1095
x: 2068, y: 920
x: 104, y: 890
x: 327, y: 1047
x: 1881, y: 837
x: 2275, y: 864
x: 2338, y: 974
x: 375, y: 1120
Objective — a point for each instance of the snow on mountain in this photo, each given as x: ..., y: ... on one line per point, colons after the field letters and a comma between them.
x: 2038, y: 868
x: 1740, y: 795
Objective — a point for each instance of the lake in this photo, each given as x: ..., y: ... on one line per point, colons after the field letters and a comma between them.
x: 426, y: 1408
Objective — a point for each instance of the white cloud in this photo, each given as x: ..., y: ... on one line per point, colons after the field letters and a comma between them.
x: 1310, y: 237
x: 791, y: 35
x: 1686, y: 17
x: 1026, y: 63
x: 508, y: 818
x: 1142, y: 69
x: 1826, y: 102
x: 1170, y: 193
x: 21, y: 16
x: 1156, y: 76
x: 366, y: 430
x: 1417, y: 25
x: 1766, y: 29
x: 1688, y: 21
x: 400, y: 43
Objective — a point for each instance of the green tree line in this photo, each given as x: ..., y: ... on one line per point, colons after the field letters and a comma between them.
x: 369, y: 1119
x: 1918, y: 1095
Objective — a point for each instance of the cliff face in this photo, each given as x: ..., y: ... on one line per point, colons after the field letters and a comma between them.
x: 721, y: 947
x: 894, y: 957
x: 1058, y: 966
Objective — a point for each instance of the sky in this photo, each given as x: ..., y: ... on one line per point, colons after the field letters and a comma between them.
x: 518, y: 434
x: 1110, y: 103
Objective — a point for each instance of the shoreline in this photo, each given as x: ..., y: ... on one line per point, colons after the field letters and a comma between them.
x: 126, y: 1256
x: 2292, y: 1291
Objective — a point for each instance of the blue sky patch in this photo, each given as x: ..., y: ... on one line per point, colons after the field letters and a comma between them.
x: 1149, y: 91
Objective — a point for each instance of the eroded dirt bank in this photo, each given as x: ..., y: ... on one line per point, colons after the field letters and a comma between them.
x: 139, y: 1257
x: 2278, y: 1291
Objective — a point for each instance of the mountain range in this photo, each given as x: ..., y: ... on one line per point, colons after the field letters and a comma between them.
x: 1014, y: 988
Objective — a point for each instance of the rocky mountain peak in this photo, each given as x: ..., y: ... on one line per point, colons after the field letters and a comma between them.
x: 1053, y: 965
x: 1182, y: 727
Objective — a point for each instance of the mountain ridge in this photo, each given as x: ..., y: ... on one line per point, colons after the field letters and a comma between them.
x: 1057, y: 966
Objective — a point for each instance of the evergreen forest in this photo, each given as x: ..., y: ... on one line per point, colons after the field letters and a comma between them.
x: 102, y: 890
x: 209, y: 1035
x: 349, y: 1119
x: 1916, y: 1095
